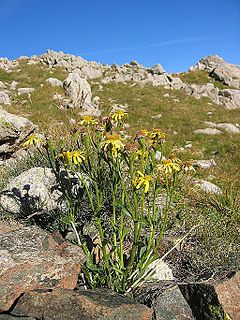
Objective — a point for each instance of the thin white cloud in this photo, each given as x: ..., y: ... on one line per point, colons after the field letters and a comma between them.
x: 149, y: 46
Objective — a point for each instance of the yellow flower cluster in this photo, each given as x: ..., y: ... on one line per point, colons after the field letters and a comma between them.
x: 168, y: 166
x: 142, y: 181
x: 87, y: 121
x: 118, y: 115
x: 32, y: 140
x: 76, y: 157
x: 113, y: 143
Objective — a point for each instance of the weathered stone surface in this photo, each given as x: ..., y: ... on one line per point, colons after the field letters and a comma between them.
x: 204, y: 164
x: 229, y: 98
x: 80, y: 94
x: 32, y: 191
x: 229, y: 127
x: 32, y: 259
x: 207, y: 186
x: 54, y: 82
x: 7, y: 65
x: 220, y: 70
x: 171, y: 305
x: 13, y: 130
x: 214, y: 300
x: 21, y: 91
x: 228, y: 293
x: 63, y: 304
x: 5, y: 97
x: 209, y: 131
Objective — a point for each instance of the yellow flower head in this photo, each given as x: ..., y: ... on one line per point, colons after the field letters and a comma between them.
x: 32, y: 140
x: 140, y: 154
x: 187, y: 166
x: 113, y: 143
x: 118, y: 115
x: 168, y: 166
x: 142, y: 181
x: 157, y: 136
x: 76, y: 157
x: 87, y: 121
x: 175, y: 159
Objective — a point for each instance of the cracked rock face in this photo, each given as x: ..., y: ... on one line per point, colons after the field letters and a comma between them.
x: 33, y: 259
x: 13, y: 131
x: 31, y: 191
x: 220, y: 70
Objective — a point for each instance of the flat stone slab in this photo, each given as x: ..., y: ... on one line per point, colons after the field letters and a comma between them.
x: 63, y: 304
x: 32, y: 259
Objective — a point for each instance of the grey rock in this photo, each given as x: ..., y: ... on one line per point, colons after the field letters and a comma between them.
x: 228, y: 127
x: 7, y: 65
x: 205, y: 164
x: 79, y: 92
x: 208, y: 131
x: 5, y: 97
x: 207, y: 186
x: 61, y: 304
x: 220, y: 70
x: 32, y: 259
x: 13, y: 85
x: 162, y: 271
x: 171, y: 305
x: 157, y: 69
x: 21, y: 91
x: 33, y: 190
x: 54, y: 82
x: 229, y: 98
x: 13, y: 131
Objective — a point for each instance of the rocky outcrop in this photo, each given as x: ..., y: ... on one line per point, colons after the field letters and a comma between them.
x: 228, y: 127
x: 171, y: 305
x: 86, y: 69
x: 5, y: 97
x: 62, y: 304
x: 220, y: 70
x: 7, y: 65
x: 230, y: 98
x: 54, y: 82
x: 35, y: 190
x: 33, y: 259
x: 13, y: 131
x: 79, y: 92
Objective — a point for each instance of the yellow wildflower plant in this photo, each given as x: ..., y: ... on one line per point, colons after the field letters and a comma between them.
x: 168, y: 166
x: 32, y: 140
x: 118, y: 115
x: 156, y: 135
x: 113, y: 143
x: 140, y: 154
x: 76, y: 157
x: 87, y: 121
x: 142, y: 181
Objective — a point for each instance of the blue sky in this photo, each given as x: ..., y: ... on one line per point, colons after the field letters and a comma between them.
x: 175, y: 33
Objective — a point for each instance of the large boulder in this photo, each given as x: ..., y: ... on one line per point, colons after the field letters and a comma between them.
x: 220, y: 70
x: 7, y: 65
x: 229, y: 98
x: 61, y: 304
x: 34, y: 190
x: 79, y: 92
x: 13, y: 131
x: 33, y: 259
